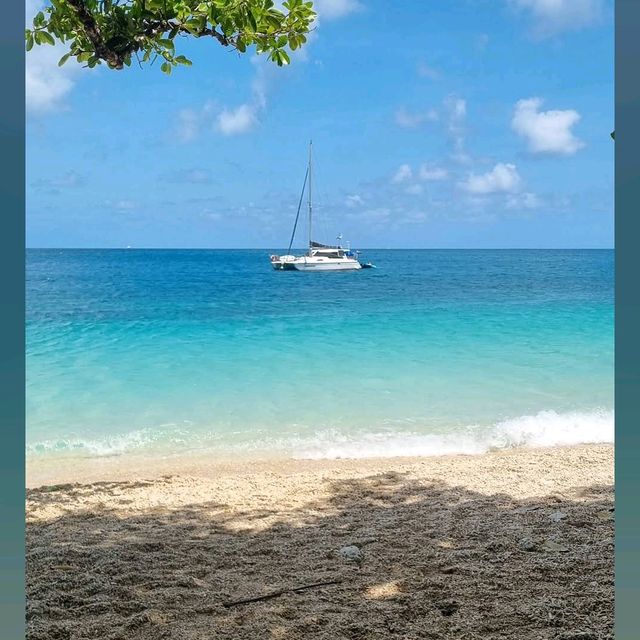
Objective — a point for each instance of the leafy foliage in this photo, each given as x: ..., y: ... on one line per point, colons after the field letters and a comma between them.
x: 112, y: 31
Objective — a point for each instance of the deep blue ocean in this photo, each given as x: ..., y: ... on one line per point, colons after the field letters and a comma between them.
x: 435, y: 351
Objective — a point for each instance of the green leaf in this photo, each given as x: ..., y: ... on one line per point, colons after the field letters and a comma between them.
x: 193, y: 26
x: 46, y: 37
x: 125, y: 27
x: 166, y: 68
x: 252, y: 20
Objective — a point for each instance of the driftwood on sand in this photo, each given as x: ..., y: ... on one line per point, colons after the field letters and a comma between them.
x: 280, y: 592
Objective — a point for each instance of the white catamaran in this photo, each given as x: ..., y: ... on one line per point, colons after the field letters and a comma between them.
x: 320, y: 257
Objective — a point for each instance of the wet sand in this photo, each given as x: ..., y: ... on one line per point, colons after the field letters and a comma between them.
x: 510, y: 544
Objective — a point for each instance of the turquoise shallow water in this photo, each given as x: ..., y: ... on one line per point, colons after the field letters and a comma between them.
x: 432, y: 352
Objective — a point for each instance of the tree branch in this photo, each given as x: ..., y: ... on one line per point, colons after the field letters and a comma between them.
x: 155, y: 28
x: 279, y: 592
x: 92, y: 30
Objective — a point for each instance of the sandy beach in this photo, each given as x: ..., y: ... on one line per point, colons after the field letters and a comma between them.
x: 511, y: 544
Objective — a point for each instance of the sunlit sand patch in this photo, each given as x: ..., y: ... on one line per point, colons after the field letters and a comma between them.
x: 445, y: 544
x: 384, y: 590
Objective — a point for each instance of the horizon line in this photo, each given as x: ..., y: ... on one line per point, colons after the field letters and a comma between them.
x: 130, y: 248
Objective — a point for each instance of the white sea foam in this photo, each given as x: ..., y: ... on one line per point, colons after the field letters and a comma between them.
x: 106, y: 446
x: 545, y: 429
x: 111, y: 445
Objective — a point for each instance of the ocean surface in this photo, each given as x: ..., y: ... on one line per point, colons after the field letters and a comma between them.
x: 435, y: 351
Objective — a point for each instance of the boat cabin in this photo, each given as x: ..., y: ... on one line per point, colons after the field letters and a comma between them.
x: 318, y: 250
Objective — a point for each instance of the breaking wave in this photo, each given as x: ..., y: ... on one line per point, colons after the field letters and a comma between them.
x: 545, y: 429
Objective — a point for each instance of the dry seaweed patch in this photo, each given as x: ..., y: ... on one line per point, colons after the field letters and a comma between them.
x: 139, y: 561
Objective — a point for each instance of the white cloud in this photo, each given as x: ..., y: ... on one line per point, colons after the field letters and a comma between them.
x: 354, y: 201
x: 425, y: 71
x: 551, y: 17
x: 46, y: 84
x: 228, y: 121
x: 503, y: 178
x: 410, y: 120
x: 188, y: 125
x: 238, y: 120
x: 546, y: 131
x: 125, y: 205
x: 121, y: 205
x: 414, y: 217
x: 208, y: 214
x: 453, y: 114
x: 414, y: 189
x: 243, y: 118
x: 430, y: 173
x: 380, y: 214
x: 456, y: 109
x: 191, y: 122
x: 525, y: 200
x: 70, y: 180
x: 333, y: 9
x: 187, y: 176
x: 403, y: 174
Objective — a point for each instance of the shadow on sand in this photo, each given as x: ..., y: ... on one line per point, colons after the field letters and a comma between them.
x: 438, y: 562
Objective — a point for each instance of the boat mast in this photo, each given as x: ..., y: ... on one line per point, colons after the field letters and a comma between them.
x: 310, y: 208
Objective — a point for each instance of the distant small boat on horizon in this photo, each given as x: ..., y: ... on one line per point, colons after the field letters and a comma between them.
x: 320, y: 257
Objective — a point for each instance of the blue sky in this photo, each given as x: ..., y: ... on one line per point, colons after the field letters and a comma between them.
x: 466, y: 123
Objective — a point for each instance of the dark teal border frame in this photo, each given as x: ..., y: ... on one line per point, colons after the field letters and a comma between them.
x: 627, y: 325
x: 12, y: 358
x: 12, y: 240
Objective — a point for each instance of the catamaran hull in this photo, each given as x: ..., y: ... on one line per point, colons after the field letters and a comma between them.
x: 314, y: 263
x: 333, y: 265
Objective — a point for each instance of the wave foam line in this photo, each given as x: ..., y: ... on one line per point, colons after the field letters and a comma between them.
x: 107, y: 446
x: 545, y: 429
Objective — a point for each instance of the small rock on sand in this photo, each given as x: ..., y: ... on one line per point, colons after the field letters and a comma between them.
x: 557, y: 516
x: 351, y: 553
x: 527, y: 544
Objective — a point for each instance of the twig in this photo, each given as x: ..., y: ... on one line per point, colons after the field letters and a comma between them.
x: 275, y: 594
